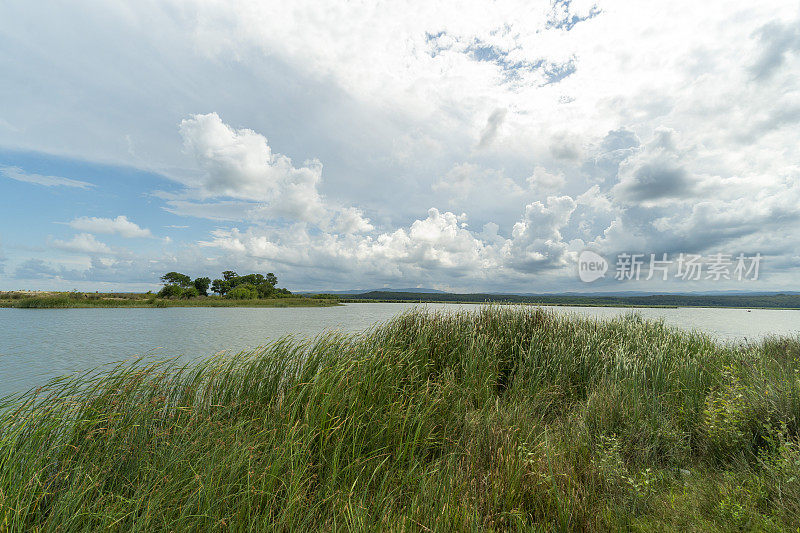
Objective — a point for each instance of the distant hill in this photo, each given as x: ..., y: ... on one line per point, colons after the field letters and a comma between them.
x: 621, y: 294
x: 420, y: 290
x: 651, y: 293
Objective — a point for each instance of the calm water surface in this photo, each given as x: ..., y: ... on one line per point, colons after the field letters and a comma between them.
x: 39, y: 344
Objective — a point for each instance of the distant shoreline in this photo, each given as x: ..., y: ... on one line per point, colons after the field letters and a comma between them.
x: 541, y: 304
x: 78, y: 300
x: 67, y: 300
x: 737, y: 301
x: 365, y: 301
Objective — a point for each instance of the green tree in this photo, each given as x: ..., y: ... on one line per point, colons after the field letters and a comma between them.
x: 191, y: 292
x: 170, y: 291
x: 201, y: 284
x: 252, y: 279
x: 176, y: 278
x: 245, y: 291
x: 220, y: 286
x: 256, y: 285
x: 264, y: 285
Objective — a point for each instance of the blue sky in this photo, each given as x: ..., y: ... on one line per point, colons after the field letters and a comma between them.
x: 451, y: 146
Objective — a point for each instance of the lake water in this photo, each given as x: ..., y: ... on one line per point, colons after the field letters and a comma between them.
x: 39, y: 344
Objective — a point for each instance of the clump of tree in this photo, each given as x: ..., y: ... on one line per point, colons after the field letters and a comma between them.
x: 232, y: 285
x: 249, y: 286
x: 177, y: 285
x: 202, y: 284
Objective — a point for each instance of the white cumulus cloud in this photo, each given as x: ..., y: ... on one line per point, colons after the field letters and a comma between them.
x: 239, y: 163
x: 83, y: 243
x: 119, y: 225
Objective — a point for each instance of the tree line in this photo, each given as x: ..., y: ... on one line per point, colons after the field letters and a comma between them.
x: 231, y: 285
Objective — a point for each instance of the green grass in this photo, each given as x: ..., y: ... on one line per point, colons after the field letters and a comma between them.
x: 502, y: 419
x: 65, y: 300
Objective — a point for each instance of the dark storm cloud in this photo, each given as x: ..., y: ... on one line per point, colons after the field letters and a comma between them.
x: 654, y: 181
x: 655, y: 171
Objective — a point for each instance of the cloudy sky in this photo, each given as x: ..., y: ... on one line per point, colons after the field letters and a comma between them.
x: 452, y: 145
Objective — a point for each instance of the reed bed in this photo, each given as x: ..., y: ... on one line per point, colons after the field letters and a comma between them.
x: 499, y: 419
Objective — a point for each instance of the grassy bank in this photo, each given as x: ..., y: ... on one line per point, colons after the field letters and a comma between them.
x: 499, y: 420
x: 65, y: 300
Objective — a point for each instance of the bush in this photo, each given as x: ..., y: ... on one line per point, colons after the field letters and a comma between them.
x: 13, y: 295
x: 45, y: 302
x: 170, y: 291
x: 243, y: 292
x: 264, y: 291
x: 191, y: 292
x: 321, y: 296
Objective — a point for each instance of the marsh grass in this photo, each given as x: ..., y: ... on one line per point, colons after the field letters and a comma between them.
x: 44, y: 302
x: 500, y: 419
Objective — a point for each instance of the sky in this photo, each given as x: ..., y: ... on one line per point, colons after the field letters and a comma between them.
x: 463, y: 146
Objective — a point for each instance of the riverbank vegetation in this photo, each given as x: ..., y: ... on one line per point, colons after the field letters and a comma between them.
x: 74, y: 299
x: 231, y: 285
x: 751, y: 301
x: 179, y: 290
x: 502, y: 419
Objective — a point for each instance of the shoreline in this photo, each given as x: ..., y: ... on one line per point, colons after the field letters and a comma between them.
x: 78, y: 300
x: 64, y: 300
x: 544, y: 304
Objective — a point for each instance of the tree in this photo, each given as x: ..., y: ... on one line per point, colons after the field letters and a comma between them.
x: 267, y: 289
x: 191, y: 292
x: 220, y: 286
x: 264, y: 285
x: 201, y: 284
x: 256, y: 285
x: 252, y: 279
x: 176, y: 278
x: 170, y: 291
x: 244, y: 291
